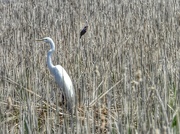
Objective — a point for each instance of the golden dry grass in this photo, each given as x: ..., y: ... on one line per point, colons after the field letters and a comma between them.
x: 125, y: 69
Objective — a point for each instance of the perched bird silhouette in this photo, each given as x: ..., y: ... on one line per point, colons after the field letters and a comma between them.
x: 83, y: 31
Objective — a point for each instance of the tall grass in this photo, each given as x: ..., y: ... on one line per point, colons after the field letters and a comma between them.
x: 125, y: 69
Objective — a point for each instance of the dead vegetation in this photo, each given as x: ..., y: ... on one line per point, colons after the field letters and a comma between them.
x: 125, y: 69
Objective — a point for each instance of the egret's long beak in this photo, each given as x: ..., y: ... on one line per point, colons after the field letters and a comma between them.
x: 39, y: 39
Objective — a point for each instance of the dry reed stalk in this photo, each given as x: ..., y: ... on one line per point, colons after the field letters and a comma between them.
x: 122, y: 38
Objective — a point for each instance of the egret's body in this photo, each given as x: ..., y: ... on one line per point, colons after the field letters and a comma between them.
x: 61, y: 77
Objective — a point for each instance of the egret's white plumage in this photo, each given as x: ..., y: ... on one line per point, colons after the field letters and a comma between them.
x: 61, y: 77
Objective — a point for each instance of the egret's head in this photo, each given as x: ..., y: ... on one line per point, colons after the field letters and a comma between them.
x: 46, y: 39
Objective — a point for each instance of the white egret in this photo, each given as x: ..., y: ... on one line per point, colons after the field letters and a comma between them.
x: 61, y: 77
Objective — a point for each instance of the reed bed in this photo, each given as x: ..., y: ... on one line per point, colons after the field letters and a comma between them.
x: 125, y: 69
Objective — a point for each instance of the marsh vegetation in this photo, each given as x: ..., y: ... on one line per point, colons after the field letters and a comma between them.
x: 125, y: 69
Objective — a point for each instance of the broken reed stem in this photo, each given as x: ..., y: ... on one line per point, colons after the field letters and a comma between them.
x: 103, y: 94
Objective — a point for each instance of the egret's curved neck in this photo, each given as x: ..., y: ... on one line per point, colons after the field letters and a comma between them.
x: 49, y: 61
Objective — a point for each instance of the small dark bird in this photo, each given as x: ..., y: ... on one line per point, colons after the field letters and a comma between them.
x: 83, y: 31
